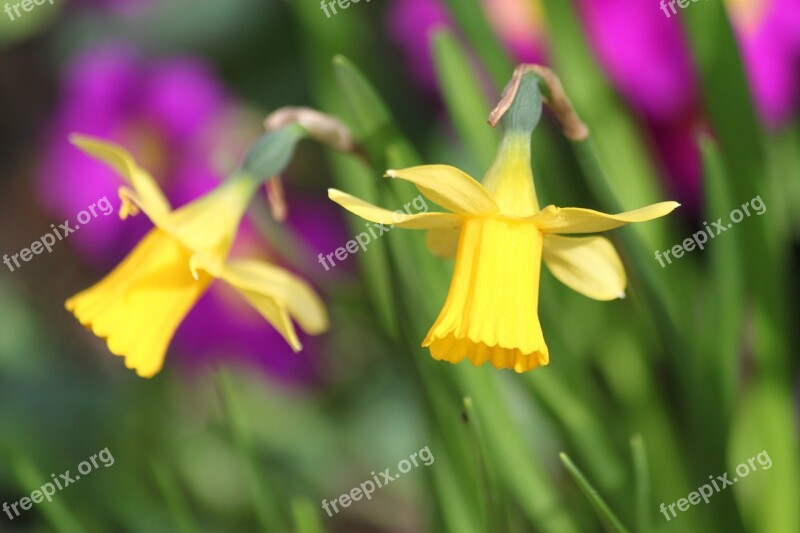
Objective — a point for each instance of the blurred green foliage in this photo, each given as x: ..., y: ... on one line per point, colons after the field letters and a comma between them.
x: 645, y: 398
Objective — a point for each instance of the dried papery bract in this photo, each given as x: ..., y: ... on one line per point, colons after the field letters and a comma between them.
x: 552, y: 94
x: 324, y: 128
x: 321, y: 127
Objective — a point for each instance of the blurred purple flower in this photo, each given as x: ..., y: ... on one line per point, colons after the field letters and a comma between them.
x: 644, y: 54
x: 179, y: 123
x: 647, y: 58
x: 410, y: 23
x: 769, y: 37
x: 517, y: 23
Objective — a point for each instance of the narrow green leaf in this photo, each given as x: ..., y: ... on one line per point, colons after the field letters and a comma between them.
x: 266, y: 504
x: 730, y: 107
x: 766, y: 424
x: 644, y: 489
x: 523, y: 476
x: 494, y: 497
x: 370, y: 119
x: 473, y: 21
x: 607, y: 517
x: 724, y: 303
x: 306, y: 517
x: 29, y: 478
x: 465, y: 100
x: 583, y: 427
x: 446, y: 480
x: 171, y: 492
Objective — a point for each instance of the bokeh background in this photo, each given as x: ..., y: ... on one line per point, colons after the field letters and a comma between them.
x: 693, y: 373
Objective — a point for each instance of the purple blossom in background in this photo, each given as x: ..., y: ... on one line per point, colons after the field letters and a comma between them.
x: 175, y: 117
x: 655, y: 75
x: 519, y: 24
x: 769, y: 37
x: 410, y: 23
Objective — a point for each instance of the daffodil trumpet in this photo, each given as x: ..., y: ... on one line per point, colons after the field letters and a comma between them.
x: 499, y: 237
x: 140, y: 304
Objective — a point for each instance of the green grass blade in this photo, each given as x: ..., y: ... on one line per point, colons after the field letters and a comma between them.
x: 609, y: 520
x: 306, y: 518
x: 171, y: 492
x: 266, y: 506
x: 644, y: 487
x: 29, y: 478
x: 465, y: 101
x: 582, y: 426
x: 494, y: 497
x: 472, y: 20
x: 724, y: 304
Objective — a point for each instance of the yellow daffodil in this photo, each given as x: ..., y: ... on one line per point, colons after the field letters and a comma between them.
x: 499, y: 238
x: 141, y: 303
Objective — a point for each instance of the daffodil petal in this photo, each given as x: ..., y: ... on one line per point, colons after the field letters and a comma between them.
x: 449, y: 187
x: 398, y: 218
x: 553, y: 219
x: 209, y: 224
x: 138, y: 307
x: 588, y: 265
x: 151, y: 199
x: 277, y: 294
x: 443, y: 242
x: 306, y: 307
x: 491, y: 310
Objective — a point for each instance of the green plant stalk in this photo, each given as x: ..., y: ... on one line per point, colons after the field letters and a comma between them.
x: 643, y: 484
x: 306, y: 518
x: 264, y: 499
x: 465, y: 102
x: 724, y: 304
x: 29, y: 479
x: 493, y: 496
x: 171, y: 492
x: 724, y: 88
x: 581, y: 425
x: 472, y: 20
x: 607, y: 517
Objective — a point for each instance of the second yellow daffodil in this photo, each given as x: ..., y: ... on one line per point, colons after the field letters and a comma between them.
x: 499, y: 237
x: 140, y: 304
